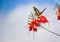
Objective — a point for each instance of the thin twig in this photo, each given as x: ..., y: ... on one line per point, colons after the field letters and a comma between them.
x: 51, y: 31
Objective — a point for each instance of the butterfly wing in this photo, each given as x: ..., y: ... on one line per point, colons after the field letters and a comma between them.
x: 43, y: 10
x: 37, y: 12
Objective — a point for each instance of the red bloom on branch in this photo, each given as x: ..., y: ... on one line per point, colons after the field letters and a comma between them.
x: 31, y: 27
x: 43, y: 19
x: 34, y: 23
x: 58, y: 17
x: 58, y: 14
x: 38, y: 22
x: 35, y: 29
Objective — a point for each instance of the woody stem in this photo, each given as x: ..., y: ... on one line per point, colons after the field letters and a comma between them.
x: 51, y: 31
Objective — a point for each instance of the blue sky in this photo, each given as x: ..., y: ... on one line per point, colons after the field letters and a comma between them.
x: 8, y: 5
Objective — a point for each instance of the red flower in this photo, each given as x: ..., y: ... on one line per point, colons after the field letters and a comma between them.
x: 31, y: 27
x: 58, y: 14
x: 35, y: 29
x: 38, y: 22
x: 58, y: 17
x: 43, y: 19
x: 33, y: 22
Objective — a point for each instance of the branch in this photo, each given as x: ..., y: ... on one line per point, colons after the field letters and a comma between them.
x: 51, y: 31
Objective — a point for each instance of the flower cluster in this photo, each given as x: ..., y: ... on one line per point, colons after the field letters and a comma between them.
x: 36, y: 23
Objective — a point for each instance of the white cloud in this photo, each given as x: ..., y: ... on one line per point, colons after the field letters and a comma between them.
x: 13, y: 27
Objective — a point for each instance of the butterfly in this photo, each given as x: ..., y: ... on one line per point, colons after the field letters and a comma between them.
x: 40, y: 16
x: 37, y: 12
